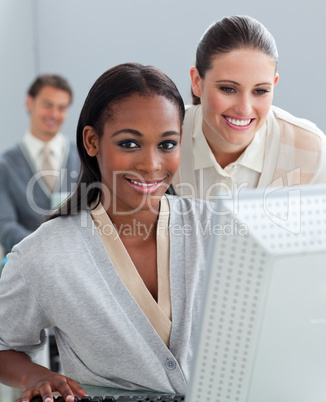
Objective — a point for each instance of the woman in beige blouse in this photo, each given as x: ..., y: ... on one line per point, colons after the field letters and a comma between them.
x: 233, y: 138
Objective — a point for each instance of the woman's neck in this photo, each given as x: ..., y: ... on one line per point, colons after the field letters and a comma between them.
x: 224, y: 151
x: 140, y: 225
x: 226, y: 154
x: 224, y: 158
x: 137, y: 231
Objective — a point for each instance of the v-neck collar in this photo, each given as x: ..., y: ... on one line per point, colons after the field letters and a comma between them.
x: 158, y: 313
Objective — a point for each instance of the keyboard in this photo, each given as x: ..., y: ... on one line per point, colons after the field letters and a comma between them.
x: 138, y: 398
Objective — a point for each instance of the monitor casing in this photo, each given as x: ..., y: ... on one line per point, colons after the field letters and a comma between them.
x: 262, y: 335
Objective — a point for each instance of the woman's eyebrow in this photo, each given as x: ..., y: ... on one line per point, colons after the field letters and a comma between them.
x: 227, y: 82
x: 172, y: 132
x: 237, y: 83
x: 139, y: 134
x: 127, y: 130
x: 264, y: 83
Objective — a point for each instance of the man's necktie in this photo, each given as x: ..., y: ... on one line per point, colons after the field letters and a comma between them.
x: 47, y: 169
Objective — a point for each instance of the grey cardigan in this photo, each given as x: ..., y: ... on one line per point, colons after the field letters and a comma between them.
x: 61, y: 276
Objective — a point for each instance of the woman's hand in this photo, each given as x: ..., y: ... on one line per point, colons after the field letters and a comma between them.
x: 17, y: 370
x: 45, y: 383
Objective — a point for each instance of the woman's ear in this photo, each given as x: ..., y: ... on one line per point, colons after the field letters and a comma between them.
x: 276, y: 79
x: 90, y: 140
x: 195, y: 81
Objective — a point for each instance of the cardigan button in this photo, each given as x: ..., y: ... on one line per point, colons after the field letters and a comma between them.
x: 170, y: 364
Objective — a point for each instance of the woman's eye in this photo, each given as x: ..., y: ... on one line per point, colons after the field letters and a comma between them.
x: 227, y: 90
x: 261, y: 91
x: 168, y: 144
x: 128, y: 144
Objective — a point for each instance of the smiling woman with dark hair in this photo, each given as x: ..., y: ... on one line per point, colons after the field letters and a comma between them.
x: 112, y: 271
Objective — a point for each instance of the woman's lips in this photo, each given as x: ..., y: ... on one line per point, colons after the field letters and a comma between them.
x: 146, y: 187
x: 238, y: 124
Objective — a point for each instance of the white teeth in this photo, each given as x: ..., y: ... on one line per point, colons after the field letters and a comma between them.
x: 143, y: 184
x: 238, y: 122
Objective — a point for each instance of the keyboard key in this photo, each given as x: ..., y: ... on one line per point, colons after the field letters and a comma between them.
x: 136, y: 398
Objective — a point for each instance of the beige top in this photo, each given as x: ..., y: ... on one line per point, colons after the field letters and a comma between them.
x: 158, y: 313
x: 286, y: 151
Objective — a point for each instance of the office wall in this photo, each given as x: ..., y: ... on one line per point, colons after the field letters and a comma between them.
x: 80, y: 39
x: 17, y: 66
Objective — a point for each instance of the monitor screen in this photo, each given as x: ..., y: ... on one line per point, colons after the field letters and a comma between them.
x: 262, y: 334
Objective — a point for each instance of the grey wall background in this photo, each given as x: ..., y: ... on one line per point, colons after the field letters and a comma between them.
x: 80, y: 39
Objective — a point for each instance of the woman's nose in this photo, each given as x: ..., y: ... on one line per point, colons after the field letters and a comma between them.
x: 243, y: 107
x: 149, y: 162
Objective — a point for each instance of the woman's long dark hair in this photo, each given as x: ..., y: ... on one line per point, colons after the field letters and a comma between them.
x: 113, y: 86
x: 232, y: 33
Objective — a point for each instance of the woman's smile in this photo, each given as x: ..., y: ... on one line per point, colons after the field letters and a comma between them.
x: 145, y: 186
x: 236, y: 96
x: 238, y: 123
x: 138, y: 152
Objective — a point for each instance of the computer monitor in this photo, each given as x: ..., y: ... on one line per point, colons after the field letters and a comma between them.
x: 262, y: 334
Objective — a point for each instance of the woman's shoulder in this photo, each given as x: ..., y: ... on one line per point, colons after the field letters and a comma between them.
x: 52, y: 233
x: 296, y: 123
x: 297, y: 149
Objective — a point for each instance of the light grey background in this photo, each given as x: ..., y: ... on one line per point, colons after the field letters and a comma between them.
x: 80, y: 39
